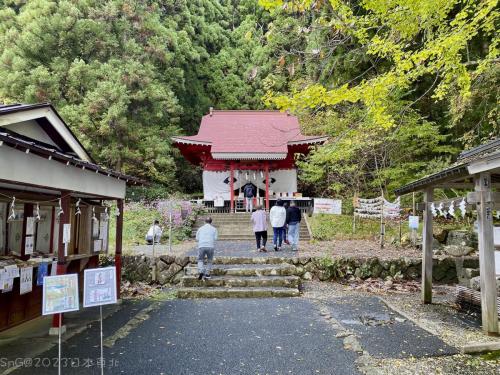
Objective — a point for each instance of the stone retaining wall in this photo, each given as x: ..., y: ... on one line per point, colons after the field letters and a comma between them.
x: 170, y: 269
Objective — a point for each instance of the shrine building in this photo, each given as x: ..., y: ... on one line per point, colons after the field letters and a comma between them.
x: 238, y: 147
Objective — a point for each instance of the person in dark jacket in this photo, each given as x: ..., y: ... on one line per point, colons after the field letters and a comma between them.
x: 249, y: 194
x: 293, y: 218
x: 285, y: 227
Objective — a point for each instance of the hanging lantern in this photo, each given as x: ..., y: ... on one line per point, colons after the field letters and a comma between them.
x: 463, y: 207
x: 433, y: 209
x: 441, y: 209
x: 451, y: 209
x: 78, y: 211
x: 12, y: 215
x: 37, y: 212
x: 59, y: 209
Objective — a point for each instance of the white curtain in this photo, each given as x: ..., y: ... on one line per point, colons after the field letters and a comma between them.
x: 214, y: 185
x: 285, y: 181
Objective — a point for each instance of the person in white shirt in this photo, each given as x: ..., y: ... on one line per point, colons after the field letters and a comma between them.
x: 277, y: 217
x: 154, y: 233
x: 206, y: 237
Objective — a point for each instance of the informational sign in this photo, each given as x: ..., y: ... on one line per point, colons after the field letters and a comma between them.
x: 97, y: 245
x: 12, y: 271
x: 28, y: 245
x: 7, y: 285
x: 496, y: 236
x: 26, y: 284
x: 6, y: 282
x: 99, y: 286
x: 66, y: 233
x: 30, y: 226
x: 43, y: 269
x: 327, y: 206
x: 413, y: 222
x: 60, y: 294
x: 219, y: 202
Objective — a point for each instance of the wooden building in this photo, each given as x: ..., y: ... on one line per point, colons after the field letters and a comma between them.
x: 477, y: 169
x: 48, y: 180
x: 235, y: 148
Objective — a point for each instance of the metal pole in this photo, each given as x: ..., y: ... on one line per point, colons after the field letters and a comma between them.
x: 60, y: 327
x: 414, y: 231
x: 102, y: 350
x: 382, y: 225
x: 170, y: 231
x: 153, y: 276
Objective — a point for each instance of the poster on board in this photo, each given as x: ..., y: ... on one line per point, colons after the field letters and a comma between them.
x: 60, y: 294
x: 28, y: 245
x: 327, y: 206
x: 99, y: 286
x: 26, y: 284
x: 43, y: 269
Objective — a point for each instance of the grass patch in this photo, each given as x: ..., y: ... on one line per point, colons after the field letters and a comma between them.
x: 491, y: 356
x: 340, y: 227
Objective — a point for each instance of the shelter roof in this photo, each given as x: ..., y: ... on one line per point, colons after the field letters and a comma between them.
x: 483, y: 158
x: 38, y: 128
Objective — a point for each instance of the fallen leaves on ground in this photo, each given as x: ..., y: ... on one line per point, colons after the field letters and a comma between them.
x: 384, y: 286
x: 138, y: 290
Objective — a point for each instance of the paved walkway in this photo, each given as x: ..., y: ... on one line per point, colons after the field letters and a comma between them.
x: 243, y: 336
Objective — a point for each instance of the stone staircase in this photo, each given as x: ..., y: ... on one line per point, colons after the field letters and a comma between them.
x: 237, y: 226
x: 242, y: 278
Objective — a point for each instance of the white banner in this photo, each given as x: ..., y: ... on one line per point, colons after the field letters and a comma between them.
x: 26, y: 284
x: 375, y: 207
x: 327, y: 206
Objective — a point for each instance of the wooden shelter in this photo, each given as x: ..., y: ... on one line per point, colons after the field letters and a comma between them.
x: 477, y: 169
x: 235, y: 148
x: 50, y: 185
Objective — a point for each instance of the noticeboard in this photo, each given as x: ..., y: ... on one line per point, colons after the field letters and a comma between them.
x: 99, y: 286
x: 60, y: 294
x: 327, y: 206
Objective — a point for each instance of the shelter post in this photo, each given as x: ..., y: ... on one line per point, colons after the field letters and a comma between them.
x: 64, y: 218
x: 484, y: 208
x: 427, y: 248
x: 118, y: 245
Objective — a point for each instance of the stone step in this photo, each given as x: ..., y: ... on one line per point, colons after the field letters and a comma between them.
x: 236, y: 292
x: 248, y: 238
x: 241, y: 282
x: 247, y: 270
x: 258, y: 260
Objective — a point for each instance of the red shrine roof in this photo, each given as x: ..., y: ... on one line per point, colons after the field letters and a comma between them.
x: 250, y: 135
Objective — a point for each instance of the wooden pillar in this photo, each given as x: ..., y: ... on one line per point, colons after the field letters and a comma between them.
x: 484, y: 208
x: 231, y: 186
x: 266, y: 169
x: 427, y: 248
x: 118, y: 245
x: 28, y: 212
x: 61, y: 256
